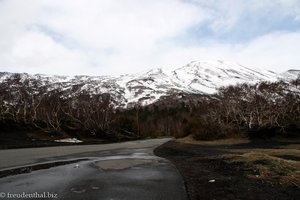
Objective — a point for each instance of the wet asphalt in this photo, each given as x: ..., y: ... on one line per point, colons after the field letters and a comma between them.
x: 123, y: 171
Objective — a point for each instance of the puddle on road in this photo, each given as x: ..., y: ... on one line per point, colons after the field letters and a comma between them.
x: 119, y: 164
x: 105, y: 163
x: 78, y: 190
x: 28, y: 169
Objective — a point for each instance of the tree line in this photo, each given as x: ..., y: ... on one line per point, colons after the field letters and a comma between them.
x: 261, y: 108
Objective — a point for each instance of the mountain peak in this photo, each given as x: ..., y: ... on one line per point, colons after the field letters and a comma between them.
x: 197, y: 77
x: 214, y: 64
x: 208, y: 75
x: 291, y: 74
x: 155, y: 71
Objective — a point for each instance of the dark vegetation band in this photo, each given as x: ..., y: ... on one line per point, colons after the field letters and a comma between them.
x: 261, y: 109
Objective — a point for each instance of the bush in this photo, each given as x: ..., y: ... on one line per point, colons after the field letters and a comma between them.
x: 201, y: 129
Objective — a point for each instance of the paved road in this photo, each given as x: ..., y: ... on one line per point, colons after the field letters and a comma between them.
x: 126, y: 170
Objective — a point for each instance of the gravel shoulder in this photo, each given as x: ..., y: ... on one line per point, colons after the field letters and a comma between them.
x: 237, y: 169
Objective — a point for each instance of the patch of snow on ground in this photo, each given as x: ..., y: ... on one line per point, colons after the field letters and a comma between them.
x: 69, y: 140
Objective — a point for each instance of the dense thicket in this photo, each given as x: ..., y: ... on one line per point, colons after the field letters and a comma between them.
x: 263, y: 109
x: 272, y: 108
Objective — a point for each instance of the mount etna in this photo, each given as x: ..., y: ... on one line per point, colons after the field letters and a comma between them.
x: 207, y: 99
x: 197, y: 77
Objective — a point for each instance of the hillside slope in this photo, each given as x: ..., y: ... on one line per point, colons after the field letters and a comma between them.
x: 198, y: 77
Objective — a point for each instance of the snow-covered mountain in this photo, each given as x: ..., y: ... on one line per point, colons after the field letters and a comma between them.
x: 290, y: 74
x: 207, y: 76
x: 200, y: 77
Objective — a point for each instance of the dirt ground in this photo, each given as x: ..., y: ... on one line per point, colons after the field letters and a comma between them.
x: 237, y: 168
x: 27, y: 139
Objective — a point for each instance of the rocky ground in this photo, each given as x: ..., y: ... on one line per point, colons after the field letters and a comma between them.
x: 237, y: 169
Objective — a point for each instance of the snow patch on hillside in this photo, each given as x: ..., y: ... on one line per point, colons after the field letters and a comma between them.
x: 197, y: 77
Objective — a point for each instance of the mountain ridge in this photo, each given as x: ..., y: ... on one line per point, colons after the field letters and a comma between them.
x: 197, y: 77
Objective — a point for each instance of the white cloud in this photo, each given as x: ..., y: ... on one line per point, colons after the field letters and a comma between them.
x: 116, y: 37
x: 14, y: 17
x: 34, y: 51
x: 276, y: 51
x: 109, y: 33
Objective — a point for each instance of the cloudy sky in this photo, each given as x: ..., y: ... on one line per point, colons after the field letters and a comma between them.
x: 112, y: 37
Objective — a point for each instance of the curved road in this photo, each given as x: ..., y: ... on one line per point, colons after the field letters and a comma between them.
x: 127, y: 170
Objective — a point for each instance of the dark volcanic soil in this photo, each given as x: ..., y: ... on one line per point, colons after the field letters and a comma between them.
x: 207, y: 176
x: 24, y: 139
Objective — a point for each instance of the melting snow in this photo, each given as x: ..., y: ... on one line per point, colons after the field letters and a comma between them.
x: 147, y: 87
x: 69, y: 140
